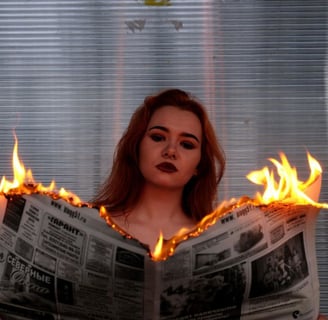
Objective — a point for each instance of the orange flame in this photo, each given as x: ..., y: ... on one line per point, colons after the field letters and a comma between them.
x: 288, y: 188
x: 24, y: 183
x: 158, y: 248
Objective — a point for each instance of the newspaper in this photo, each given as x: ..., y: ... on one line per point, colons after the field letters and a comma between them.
x: 60, y: 261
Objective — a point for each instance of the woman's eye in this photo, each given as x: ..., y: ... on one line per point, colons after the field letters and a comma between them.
x: 156, y: 137
x: 187, y: 145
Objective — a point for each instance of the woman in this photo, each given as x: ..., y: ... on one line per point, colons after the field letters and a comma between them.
x: 166, y: 168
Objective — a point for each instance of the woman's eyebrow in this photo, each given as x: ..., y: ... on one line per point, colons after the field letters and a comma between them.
x: 184, y: 134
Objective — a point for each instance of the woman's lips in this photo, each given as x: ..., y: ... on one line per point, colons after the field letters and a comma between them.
x: 167, y: 167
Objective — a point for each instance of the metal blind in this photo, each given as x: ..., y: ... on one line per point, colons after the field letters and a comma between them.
x: 72, y: 72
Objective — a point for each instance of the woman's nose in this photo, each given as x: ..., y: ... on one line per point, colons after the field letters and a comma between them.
x: 170, y: 152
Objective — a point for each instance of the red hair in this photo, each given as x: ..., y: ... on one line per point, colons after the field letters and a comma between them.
x: 121, y: 190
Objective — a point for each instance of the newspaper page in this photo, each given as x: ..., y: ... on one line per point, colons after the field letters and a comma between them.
x: 257, y: 262
x: 58, y: 261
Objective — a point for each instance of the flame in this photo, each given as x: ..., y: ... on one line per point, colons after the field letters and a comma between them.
x: 158, y: 248
x: 287, y: 188
x: 280, y: 185
x: 168, y: 247
x: 24, y: 183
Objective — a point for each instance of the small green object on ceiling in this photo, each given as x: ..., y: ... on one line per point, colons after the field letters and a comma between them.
x: 157, y: 2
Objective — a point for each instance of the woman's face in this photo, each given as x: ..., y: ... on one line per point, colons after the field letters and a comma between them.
x: 170, y: 150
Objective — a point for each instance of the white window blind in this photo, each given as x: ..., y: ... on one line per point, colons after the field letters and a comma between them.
x: 72, y: 72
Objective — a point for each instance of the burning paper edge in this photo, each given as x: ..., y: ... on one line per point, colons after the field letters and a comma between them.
x: 168, y: 247
x: 310, y: 195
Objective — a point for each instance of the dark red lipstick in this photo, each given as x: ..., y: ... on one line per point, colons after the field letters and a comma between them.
x: 167, y: 167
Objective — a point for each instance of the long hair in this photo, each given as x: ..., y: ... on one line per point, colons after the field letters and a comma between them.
x: 121, y: 190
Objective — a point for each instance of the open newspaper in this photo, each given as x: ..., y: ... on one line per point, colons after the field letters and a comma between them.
x: 59, y: 261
